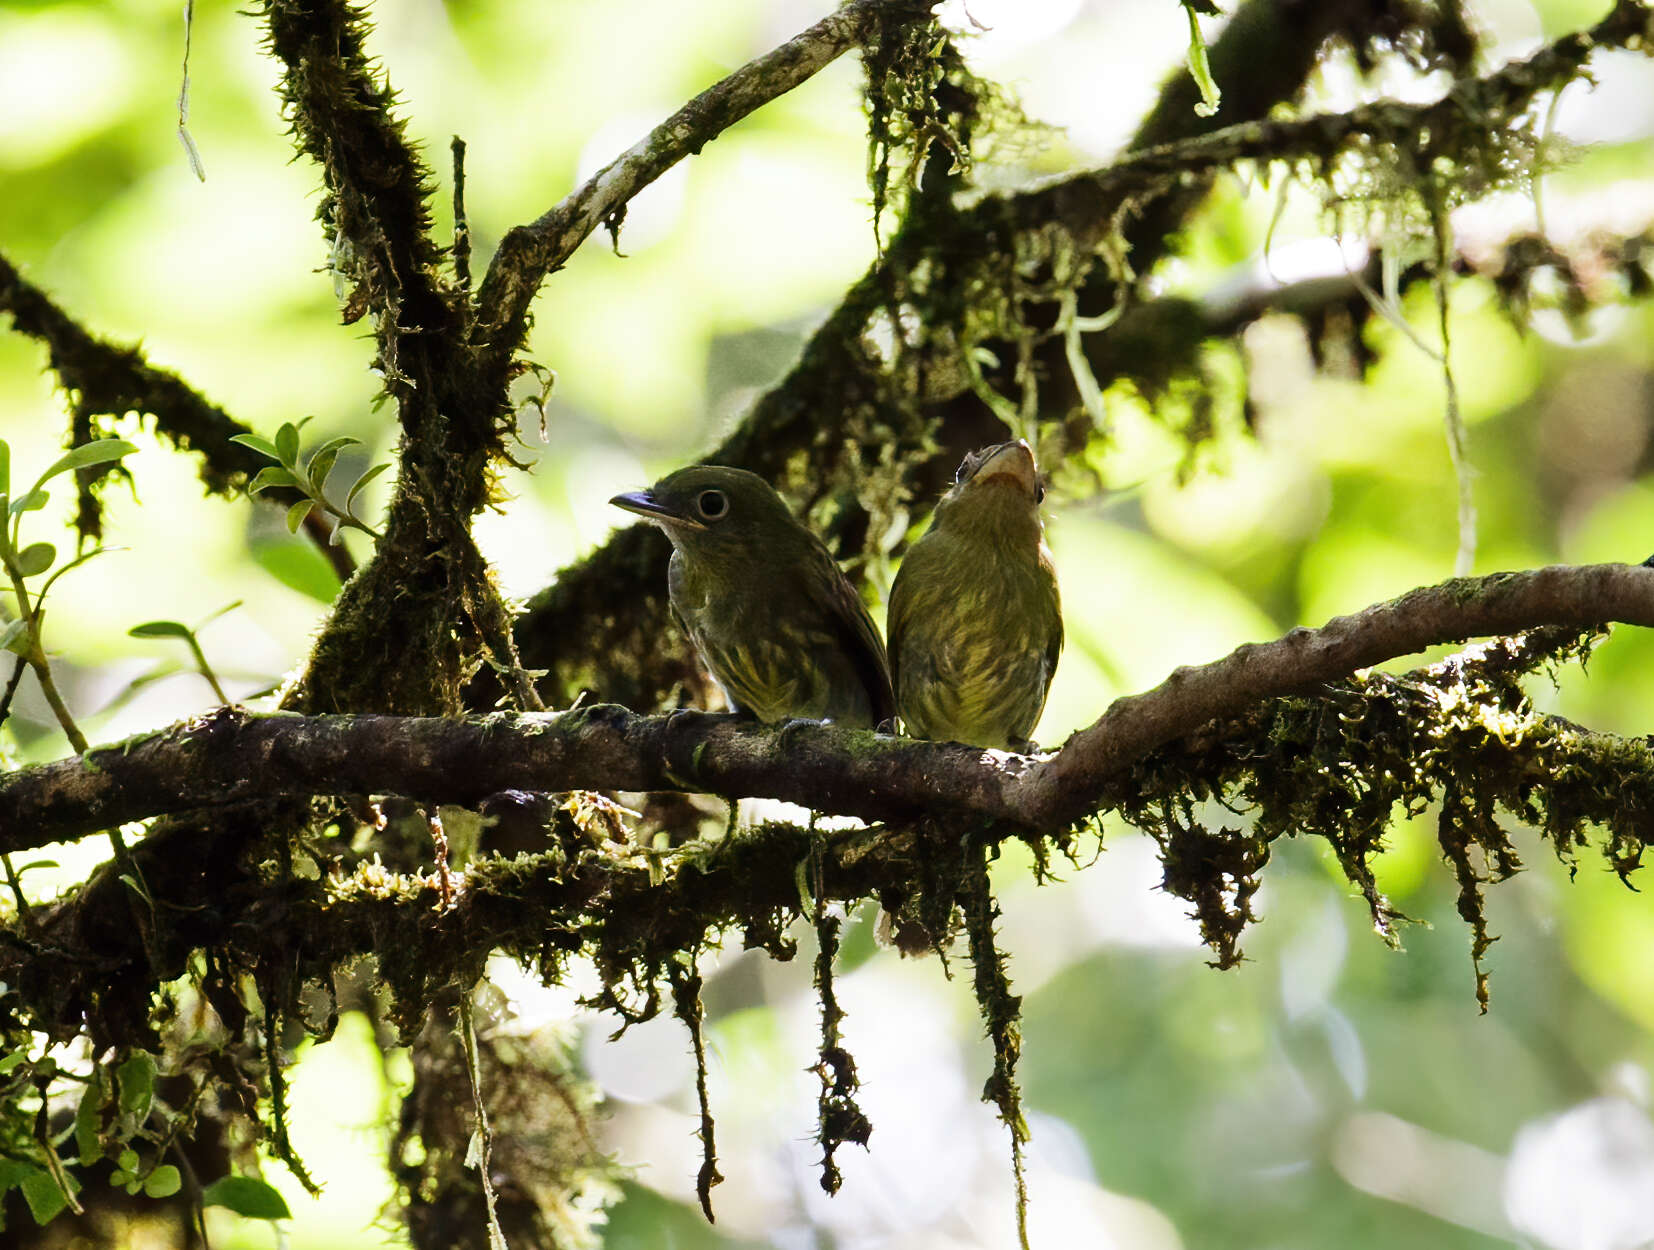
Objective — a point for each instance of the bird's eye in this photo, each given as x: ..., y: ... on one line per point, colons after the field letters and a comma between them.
x: 1039, y: 492
x: 712, y: 504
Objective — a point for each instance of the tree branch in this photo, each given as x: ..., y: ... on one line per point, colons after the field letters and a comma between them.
x: 377, y: 211
x: 104, y: 379
x: 602, y: 622
x: 236, y: 756
x: 528, y: 253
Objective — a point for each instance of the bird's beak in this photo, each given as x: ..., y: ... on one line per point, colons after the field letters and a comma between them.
x: 1012, y: 460
x: 645, y: 504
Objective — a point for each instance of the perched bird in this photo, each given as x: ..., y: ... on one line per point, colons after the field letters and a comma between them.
x: 975, y: 622
x: 779, y: 626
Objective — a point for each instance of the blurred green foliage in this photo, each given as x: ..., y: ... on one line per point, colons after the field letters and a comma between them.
x: 1330, y: 1091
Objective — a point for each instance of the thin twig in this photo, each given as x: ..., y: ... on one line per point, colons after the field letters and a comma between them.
x: 528, y: 253
x: 462, y: 226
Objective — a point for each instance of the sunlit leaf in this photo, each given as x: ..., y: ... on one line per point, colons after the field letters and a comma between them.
x: 321, y: 462
x: 297, y: 513
x: 246, y: 1195
x: 44, y: 1197
x: 287, y: 444
x: 15, y: 637
x: 88, y: 1122
x: 35, y: 499
x: 34, y: 559
x: 137, y: 1082
x: 274, y: 475
x: 99, y: 451
x: 350, y: 499
x: 163, y: 1182
x: 258, y: 443
x: 298, y: 566
x: 159, y: 629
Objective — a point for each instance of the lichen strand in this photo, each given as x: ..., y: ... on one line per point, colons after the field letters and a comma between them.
x: 839, y: 1116
x: 1344, y: 765
x: 686, y: 999
x: 1001, y: 1013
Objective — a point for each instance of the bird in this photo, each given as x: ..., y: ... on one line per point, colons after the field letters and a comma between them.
x: 771, y: 615
x: 975, y: 618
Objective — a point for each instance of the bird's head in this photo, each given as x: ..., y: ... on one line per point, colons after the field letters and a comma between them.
x: 997, y: 481
x: 711, y: 512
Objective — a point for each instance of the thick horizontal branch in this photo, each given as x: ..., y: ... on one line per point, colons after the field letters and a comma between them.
x: 1467, y: 607
x: 235, y: 756
x: 528, y: 253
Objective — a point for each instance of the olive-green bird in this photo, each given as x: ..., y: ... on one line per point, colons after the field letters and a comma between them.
x: 778, y: 625
x: 975, y: 621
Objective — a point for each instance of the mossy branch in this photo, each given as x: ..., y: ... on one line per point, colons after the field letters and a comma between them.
x: 105, y: 379
x: 234, y: 756
x: 377, y: 209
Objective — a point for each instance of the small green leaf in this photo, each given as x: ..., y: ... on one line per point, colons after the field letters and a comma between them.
x: 274, y: 475
x: 137, y: 1081
x: 15, y: 637
x: 247, y: 1195
x: 159, y: 629
x: 287, y: 444
x: 13, y: 1172
x: 127, y: 1160
x: 31, y: 502
x: 163, y: 1182
x: 88, y: 1121
x: 321, y: 460
x: 258, y: 443
x: 298, y: 566
x: 34, y: 559
x: 297, y: 513
x: 45, y: 1199
x: 12, y: 1060
x: 99, y: 451
x: 321, y: 464
x: 350, y: 499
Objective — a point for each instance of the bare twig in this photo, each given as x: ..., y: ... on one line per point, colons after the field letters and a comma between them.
x: 528, y: 253
x: 234, y: 756
x: 462, y: 224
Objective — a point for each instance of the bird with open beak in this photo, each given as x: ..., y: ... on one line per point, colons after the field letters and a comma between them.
x: 975, y: 620
x: 772, y: 617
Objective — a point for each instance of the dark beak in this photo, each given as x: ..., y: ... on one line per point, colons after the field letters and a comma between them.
x: 649, y: 508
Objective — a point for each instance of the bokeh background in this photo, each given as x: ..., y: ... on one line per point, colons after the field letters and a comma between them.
x: 1328, y: 1092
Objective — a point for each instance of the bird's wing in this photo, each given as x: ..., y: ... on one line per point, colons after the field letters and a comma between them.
x: 853, y: 625
x: 1053, y: 601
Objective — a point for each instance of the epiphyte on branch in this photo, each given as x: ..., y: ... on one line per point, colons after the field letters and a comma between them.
x: 773, y: 618
x: 975, y: 620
